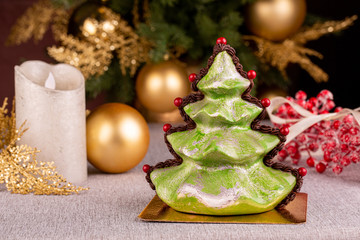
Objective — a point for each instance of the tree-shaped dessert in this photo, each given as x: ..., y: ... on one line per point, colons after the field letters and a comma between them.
x: 223, y: 154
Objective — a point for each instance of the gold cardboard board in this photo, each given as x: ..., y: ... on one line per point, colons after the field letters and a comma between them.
x: 293, y: 213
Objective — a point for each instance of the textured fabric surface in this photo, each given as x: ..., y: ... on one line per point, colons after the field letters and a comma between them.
x: 110, y: 208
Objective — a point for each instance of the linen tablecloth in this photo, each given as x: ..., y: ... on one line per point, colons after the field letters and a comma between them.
x: 110, y: 208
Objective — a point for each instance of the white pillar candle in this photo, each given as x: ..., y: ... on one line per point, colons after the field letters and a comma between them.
x: 51, y: 99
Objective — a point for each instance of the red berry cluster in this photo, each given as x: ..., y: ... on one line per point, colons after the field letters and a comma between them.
x: 337, y: 141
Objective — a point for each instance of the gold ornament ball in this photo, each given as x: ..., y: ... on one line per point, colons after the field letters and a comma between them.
x: 157, y: 85
x: 117, y: 137
x: 275, y: 19
x: 88, y: 19
x: 272, y: 92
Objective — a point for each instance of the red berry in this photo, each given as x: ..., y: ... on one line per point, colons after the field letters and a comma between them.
x: 348, y: 119
x: 325, y: 94
x: 327, y: 156
x: 344, y: 147
x: 313, y: 147
x: 221, y: 40
x: 338, y: 109
x: 302, y: 171
x: 330, y: 133
x: 284, y: 131
x: 310, y: 162
x: 330, y: 104
x: 345, y: 161
x: 309, y: 105
x: 301, y: 102
x: 336, y: 158
x: 283, y: 153
x: 301, y: 138
x: 291, y: 112
x: 146, y: 168
x: 265, y: 102
x: 324, y: 112
x: 320, y: 167
x: 166, y: 127
x: 301, y: 95
x: 353, y: 131
x: 192, y: 77
x: 355, y: 141
x: 345, y: 138
x: 354, y: 157
x: 295, y: 161
x: 178, y: 102
x: 295, y: 157
x: 290, y: 99
x: 337, y: 169
x: 313, y: 101
x: 251, y: 74
x: 336, y: 124
x: 281, y: 109
x: 292, y: 150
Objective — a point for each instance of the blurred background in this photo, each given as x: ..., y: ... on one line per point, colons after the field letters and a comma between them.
x: 141, y: 52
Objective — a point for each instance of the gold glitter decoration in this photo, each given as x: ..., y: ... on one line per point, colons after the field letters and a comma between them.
x: 93, y: 54
x: 32, y: 24
x: 291, y: 50
x: 19, y: 169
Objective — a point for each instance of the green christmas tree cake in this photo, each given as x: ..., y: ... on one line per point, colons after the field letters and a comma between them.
x: 223, y: 154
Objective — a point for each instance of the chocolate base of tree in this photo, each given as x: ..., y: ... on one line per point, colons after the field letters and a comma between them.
x: 255, y: 125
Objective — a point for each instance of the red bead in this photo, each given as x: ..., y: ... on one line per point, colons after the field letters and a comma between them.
x: 192, y: 77
x: 281, y: 109
x: 166, y: 127
x: 338, y: 109
x: 327, y: 156
x: 320, y: 167
x: 336, y: 124
x: 292, y: 150
x: 301, y: 138
x: 265, y: 102
x: 313, y: 101
x: 283, y: 153
x: 291, y: 112
x: 308, y: 105
x: 301, y: 95
x: 337, y: 169
x: 284, y: 131
x: 310, y: 162
x: 221, y: 40
x: 251, y: 74
x: 353, y: 131
x: 344, y: 147
x: 313, y: 147
x: 301, y: 102
x: 354, y: 157
x: 330, y: 104
x: 178, y: 102
x: 345, y: 161
x: 325, y: 94
x: 348, y: 119
x: 295, y: 161
x: 302, y: 171
x: 146, y: 168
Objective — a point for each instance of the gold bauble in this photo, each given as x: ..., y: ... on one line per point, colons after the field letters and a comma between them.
x: 88, y: 19
x: 275, y: 19
x: 167, y: 117
x: 117, y: 137
x: 157, y: 85
x: 271, y: 92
